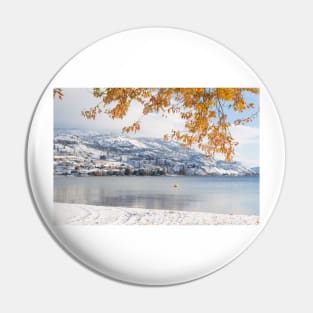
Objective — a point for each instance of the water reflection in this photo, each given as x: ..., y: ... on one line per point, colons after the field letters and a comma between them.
x: 237, y: 195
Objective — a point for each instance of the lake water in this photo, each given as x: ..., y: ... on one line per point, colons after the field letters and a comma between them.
x: 226, y: 194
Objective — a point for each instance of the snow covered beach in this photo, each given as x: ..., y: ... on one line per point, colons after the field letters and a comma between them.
x: 83, y: 214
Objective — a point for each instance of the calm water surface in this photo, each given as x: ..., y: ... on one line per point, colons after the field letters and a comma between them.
x: 236, y: 195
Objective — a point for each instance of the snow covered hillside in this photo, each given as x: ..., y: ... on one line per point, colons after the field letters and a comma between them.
x: 78, y: 152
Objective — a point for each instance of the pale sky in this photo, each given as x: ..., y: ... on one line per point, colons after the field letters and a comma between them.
x: 67, y: 114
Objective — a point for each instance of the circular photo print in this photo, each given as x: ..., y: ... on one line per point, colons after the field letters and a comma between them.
x: 155, y: 156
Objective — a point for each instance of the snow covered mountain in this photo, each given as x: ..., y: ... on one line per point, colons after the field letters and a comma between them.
x: 79, y: 152
x: 256, y: 169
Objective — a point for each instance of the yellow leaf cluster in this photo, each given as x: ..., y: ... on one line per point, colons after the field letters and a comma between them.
x: 58, y: 92
x: 202, y: 109
x: 133, y: 128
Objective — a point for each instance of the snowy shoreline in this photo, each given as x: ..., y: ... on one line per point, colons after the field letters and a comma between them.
x: 83, y: 214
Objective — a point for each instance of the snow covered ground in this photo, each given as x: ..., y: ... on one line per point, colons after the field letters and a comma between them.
x: 83, y: 214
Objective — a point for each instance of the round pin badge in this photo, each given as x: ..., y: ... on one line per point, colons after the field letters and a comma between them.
x: 155, y: 156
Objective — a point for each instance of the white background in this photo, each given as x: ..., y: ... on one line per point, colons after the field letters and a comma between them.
x: 274, y: 274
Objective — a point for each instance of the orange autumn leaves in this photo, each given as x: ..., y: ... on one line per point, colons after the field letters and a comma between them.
x: 58, y: 92
x: 203, y: 110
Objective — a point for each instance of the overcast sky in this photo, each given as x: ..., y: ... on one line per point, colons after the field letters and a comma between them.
x: 67, y: 114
